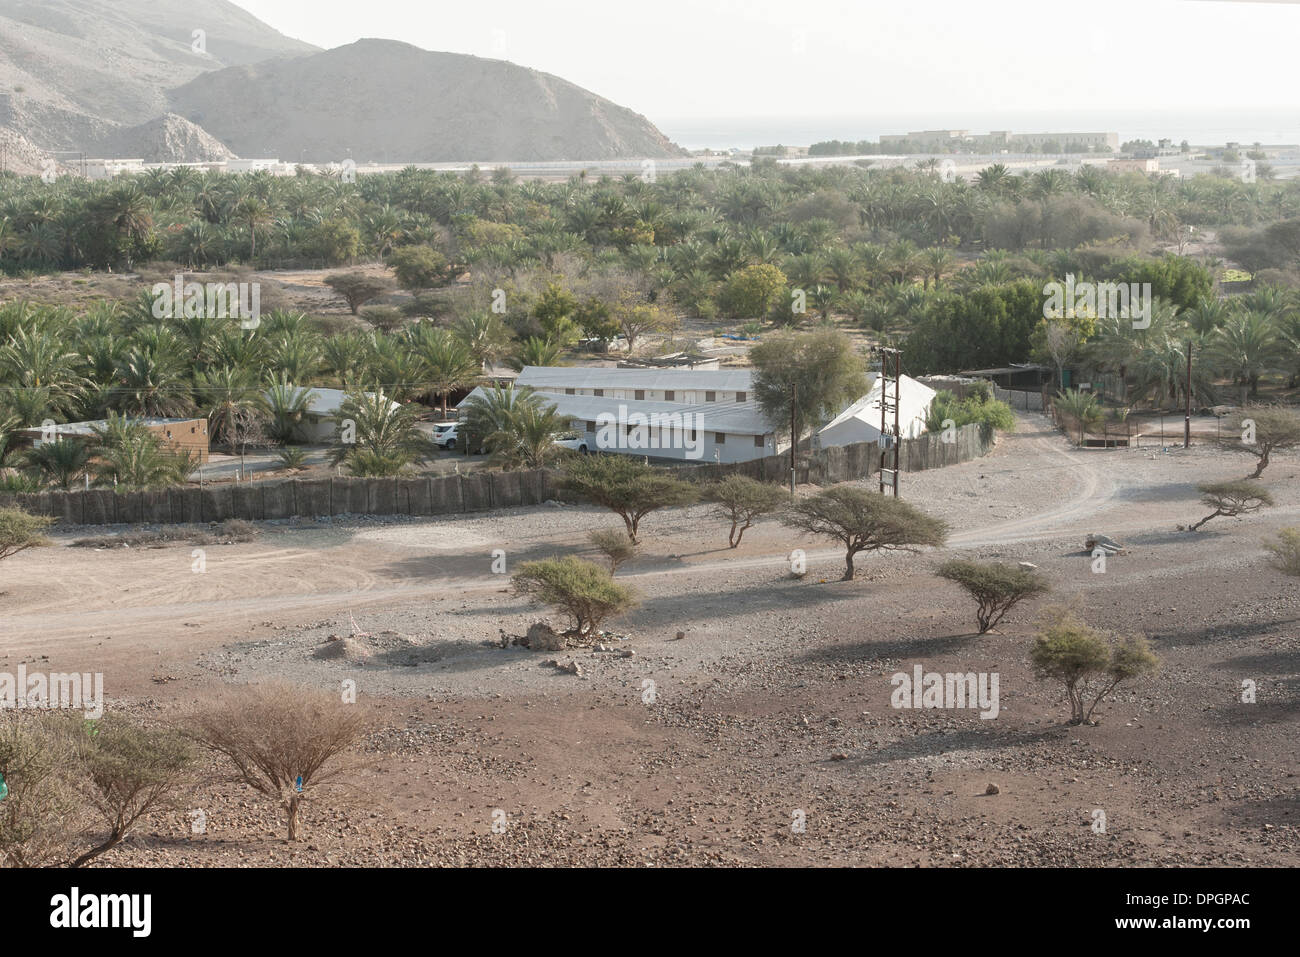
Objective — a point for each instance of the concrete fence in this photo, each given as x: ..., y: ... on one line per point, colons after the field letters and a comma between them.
x: 451, y: 494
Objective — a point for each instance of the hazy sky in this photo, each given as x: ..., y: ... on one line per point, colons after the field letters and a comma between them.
x: 739, y: 58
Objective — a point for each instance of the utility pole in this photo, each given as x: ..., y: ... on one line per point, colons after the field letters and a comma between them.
x: 794, y: 439
x: 890, y: 386
x: 1187, y: 420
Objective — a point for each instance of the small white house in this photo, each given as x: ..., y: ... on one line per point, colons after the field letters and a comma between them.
x: 860, y: 422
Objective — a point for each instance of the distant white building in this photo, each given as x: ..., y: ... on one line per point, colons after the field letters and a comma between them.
x: 860, y: 422
x: 687, y: 414
x: 108, y: 168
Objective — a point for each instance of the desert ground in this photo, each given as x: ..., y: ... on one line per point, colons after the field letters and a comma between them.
x: 772, y: 710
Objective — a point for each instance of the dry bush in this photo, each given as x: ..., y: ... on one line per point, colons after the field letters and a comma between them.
x: 615, y: 545
x: 1286, y: 551
x: 275, y: 733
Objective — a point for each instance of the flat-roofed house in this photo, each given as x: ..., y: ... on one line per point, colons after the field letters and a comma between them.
x: 178, y: 435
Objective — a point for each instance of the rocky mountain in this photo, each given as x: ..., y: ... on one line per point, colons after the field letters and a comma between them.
x: 382, y: 99
x: 194, y: 80
x: 73, y: 73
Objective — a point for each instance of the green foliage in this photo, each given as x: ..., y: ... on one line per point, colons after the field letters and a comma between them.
x: 583, y: 590
x: 977, y: 407
x: 20, y: 531
x: 1089, y: 663
x: 132, y: 456
x: 818, y: 372
x: 1232, y: 498
x: 419, y: 267
x: 741, y: 501
x: 1285, y: 549
x: 995, y: 586
x: 752, y: 291
x: 865, y: 521
x: 357, y: 288
x: 61, y: 463
x: 615, y: 545
x: 376, y: 436
x: 990, y: 325
x: 626, y: 486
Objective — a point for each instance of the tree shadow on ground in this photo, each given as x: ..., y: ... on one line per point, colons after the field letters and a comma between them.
x: 935, y: 743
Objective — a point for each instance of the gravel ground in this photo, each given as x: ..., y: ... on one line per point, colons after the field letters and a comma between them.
x: 769, y: 737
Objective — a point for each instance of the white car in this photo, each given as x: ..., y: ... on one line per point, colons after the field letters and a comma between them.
x: 572, y: 441
x: 444, y: 435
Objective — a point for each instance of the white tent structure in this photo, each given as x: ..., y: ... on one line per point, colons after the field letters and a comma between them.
x: 860, y: 422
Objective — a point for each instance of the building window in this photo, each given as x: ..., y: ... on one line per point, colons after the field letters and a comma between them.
x: 758, y: 442
x: 719, y: 438
x: 568, y: 392
x: 710, y: 397
x: 638, y: 394
x: 740, y: 397
x: 670, y: 396
x: 598, y: 392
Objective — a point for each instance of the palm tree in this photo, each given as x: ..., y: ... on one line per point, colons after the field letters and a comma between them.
x: 449, y: 365
x: 254, y: 213
x: 936, y: 263
x: 489, y: 412
x: 288, y: 406
x: 231, y: 397
x: 150, y: 383
x: 1246, y: 346
x: 60, y: 462
x: 131, y: 455
x: 1082, y: 407
x: 484, y: 335
x: 535, y: 352
x: 385, y: 437
x: 527, y: 437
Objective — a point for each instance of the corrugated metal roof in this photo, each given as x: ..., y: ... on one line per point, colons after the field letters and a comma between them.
x: 604, y: 377
x: 742, y: 419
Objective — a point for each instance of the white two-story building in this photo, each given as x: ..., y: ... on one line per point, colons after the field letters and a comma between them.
x: 687, y: 414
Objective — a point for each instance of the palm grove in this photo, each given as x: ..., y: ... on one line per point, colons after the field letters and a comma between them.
x: 494, y: 271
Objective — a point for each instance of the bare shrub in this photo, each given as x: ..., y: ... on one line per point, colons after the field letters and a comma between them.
x: 283, y: 740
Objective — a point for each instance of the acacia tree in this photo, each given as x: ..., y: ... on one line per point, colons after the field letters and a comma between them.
x: 582, y: 589
x: 865, y: 521
x: 741, y: 501
x: 1233, y: 498
x: 816, y: 373
x: 626, y: 486
x: 995, y: 586
x: 357, y: 288
x: 1261, y: 430
x: 283, y: 741
x: 129, y: 773
x: 1090, y: 663
x: 20, y: 531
